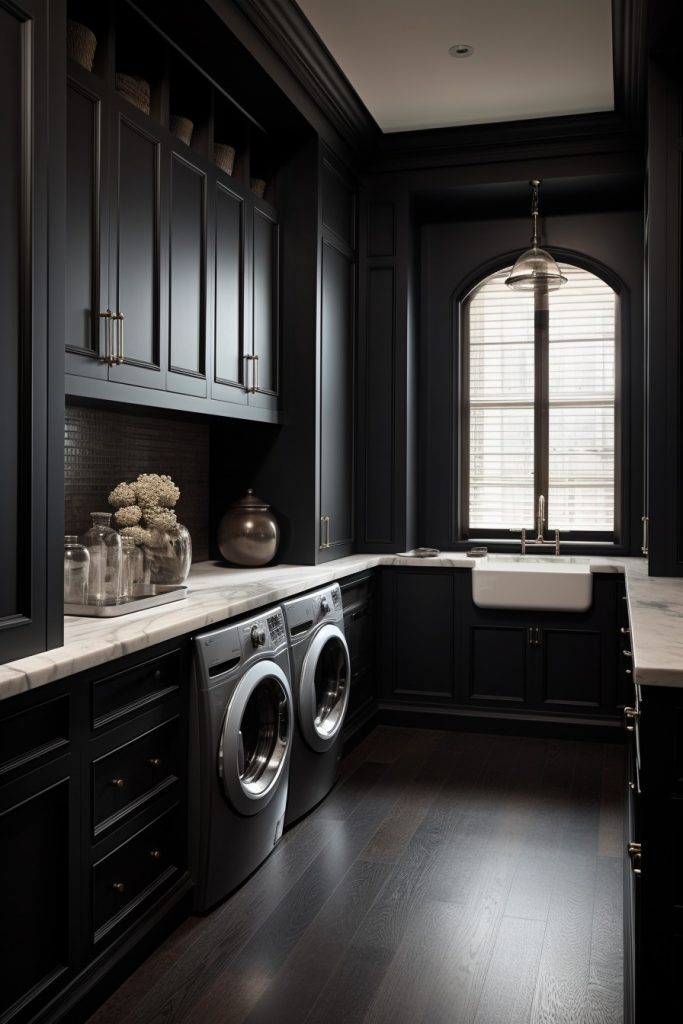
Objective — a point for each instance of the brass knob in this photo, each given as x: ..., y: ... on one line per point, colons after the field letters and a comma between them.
x: 157, y: 675
x: 635, y: 851
x: 631, y: 716
x: 627, y: 653
x: 154, y: 761
x: 155, y: 854
x: 625, y: 631
x: 119, y: 887
x: 119, y: 783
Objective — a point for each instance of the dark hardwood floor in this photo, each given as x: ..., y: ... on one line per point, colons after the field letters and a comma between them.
x: 449, y: 878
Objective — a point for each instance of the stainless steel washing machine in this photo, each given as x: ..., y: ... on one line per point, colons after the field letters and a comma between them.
x: 321, y: 673
x: 242, y: 724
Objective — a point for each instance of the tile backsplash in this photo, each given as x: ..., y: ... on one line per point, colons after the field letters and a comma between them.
x: 105, y: 446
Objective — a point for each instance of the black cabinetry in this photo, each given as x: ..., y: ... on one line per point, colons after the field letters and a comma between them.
x: 93, y: 844
x: 439, y: 651
x: 31, y: 238
x: 172, y: 264
x: 360, y: 620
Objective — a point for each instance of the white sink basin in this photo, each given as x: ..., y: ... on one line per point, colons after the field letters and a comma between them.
x: 533, y: 583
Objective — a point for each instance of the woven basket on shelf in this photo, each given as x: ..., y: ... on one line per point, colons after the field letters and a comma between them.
x: 135, y: 89
x: 257, y: 186
x: 181, y: 127
x: 81, y: 44
x: 224, y: 157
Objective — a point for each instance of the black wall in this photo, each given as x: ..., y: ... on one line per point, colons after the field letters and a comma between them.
x: 453, y: 255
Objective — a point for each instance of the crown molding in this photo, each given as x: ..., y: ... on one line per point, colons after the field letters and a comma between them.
x: 284, y: 26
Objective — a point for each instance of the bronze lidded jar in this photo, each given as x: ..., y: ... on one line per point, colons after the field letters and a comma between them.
x: 248, y: 533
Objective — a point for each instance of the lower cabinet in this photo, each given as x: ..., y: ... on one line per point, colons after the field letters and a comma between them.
x: 439, y: 649
x: 360, y: 621
x: 93, y: 830
x: 653, y: 876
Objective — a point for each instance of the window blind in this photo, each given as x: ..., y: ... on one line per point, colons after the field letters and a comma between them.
x: 505, y: 411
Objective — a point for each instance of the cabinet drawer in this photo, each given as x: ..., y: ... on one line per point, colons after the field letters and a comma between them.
x: 360, y: 636
x: 131, y: 691
x: 33, y: 736
x: 355, y: 592
x: 124, y: 882
x: 127, y: 777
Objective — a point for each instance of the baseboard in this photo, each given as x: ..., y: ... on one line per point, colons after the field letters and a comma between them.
x: 602, y: 730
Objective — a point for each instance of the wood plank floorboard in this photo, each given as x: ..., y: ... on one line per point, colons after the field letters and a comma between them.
x: 449, y: 877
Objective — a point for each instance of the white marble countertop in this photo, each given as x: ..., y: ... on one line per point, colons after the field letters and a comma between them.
x: 217, y: 593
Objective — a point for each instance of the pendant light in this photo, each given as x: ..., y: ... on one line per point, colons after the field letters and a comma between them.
x: 535, y: 267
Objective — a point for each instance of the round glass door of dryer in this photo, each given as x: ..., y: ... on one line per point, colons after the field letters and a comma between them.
x: 256, y: 738
x: 324, y: 688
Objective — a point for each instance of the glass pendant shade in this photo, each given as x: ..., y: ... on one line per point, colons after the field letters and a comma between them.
x: 535, y: 267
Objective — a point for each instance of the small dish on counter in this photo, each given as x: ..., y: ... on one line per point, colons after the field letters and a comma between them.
x: 420, y: 553
x: 145, y: 595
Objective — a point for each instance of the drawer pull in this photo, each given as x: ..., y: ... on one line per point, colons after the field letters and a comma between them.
x: 627, y: 653
x: 119, y: 887
x: 631, y: 716
x: 155, y: 762
x: 119, y: 783
x: 628, y: 671
x: 155, y: 854
x: 625, y: 631
x: 635, y: 851
x: 157, y: 675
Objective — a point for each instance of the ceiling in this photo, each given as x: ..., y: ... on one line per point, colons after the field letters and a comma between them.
x: 532, y: 58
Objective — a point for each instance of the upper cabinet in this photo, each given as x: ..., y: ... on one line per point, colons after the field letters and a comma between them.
x: 172, y: 232
x: 31, y: 286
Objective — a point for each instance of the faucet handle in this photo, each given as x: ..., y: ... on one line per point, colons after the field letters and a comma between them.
x: 522, y: 534
x: 557, y: 542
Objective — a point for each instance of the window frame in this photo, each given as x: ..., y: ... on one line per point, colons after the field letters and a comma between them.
x: 590, y: 539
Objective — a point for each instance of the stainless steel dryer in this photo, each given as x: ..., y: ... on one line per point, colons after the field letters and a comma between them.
x: 321, y: 672
x: 242, y: 724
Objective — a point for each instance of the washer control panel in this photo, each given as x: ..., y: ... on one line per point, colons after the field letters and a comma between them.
x: 276, y: 627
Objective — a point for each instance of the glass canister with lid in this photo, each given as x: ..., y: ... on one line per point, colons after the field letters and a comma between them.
x: 104, y: 547
x: 76, y: 570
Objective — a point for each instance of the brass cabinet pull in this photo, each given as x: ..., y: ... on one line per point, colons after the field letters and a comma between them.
x: 255, y: 388
x: 534, y: 636
x: 325, y: 520
x: 119, y: 887
x: 155, y: 854
x: 635, y: 852
x: 108, y: 356
x: 645, y: 520
x: 625, y: 631
x: 627, y: 653
x: 155, y: 762
x: 119, y: 783
x: 118, y: 353
x: 631, y: 716
x: 247, y: 386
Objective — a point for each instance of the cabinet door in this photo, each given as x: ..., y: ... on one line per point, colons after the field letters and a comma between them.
x: 497, y: 663
x: 35, y: 949
x: 186, y: 278
x: 135, y: 254
x: 264, y: 309
x: 418, y: 635
x: 229, y: 363
x: 31, y: 405
x: 86, y: 239
x: 569, y: 668
x: 336, y: 401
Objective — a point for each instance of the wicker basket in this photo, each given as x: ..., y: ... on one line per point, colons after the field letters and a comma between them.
x: 81, y: 44
x: 258, y: 187
x: 136, y: 90
x: 181, y: 127
x: 224, y: 157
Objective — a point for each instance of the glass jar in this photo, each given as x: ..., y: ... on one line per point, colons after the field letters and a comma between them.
x: 76, y: 568
x: 168, y: 555
x: 104, y: 546
x: 132, y: 568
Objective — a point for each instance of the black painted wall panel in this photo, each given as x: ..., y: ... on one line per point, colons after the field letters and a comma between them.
x: 379, y: 458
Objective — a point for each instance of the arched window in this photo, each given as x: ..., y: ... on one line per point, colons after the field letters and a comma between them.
x: 539, y: 407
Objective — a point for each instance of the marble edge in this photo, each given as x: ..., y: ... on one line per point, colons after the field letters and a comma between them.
x: 217, y: 593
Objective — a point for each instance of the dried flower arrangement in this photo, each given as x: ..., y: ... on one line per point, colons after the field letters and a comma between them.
x: 146, y: 504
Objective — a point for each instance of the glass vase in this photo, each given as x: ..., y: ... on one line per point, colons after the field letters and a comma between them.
x: 76, y: 567
x: 168, y: 555
x: 132, y: 568
x: 104, y: 548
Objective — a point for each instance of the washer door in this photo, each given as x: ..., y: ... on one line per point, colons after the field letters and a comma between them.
x: 256, y: 738
x: 324, y: 688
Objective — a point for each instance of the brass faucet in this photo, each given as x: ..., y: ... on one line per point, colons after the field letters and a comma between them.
x: 540, y: 540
